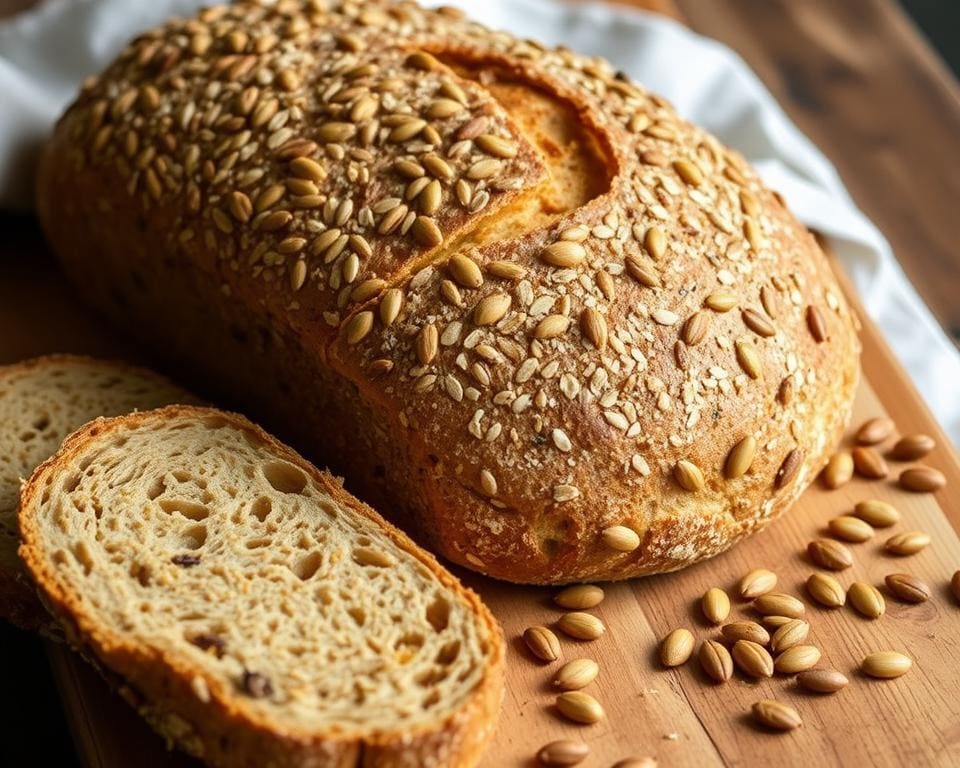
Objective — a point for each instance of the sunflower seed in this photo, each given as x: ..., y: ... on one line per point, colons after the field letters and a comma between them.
x: 721, y: 300
x: 757, y: 323
x: 715, y: 605
x: 826, y: 590
x: 839, y: 470
x: 358, y: 327
x: 621, y: 538
x: 740, y: 458
x: 756, y: 583
x: 776, y: 715
x: 866, y: 599
x: 749, y: 359
x: 688, y: 475
x: 716, y: 661
x: 779, y: 604
x: 829, y: 554
x: 817, y: 324
x: 579, y: 597
x: 752, y: 659
x: 745, y: 630
x: 576, y: 674
x: 465, y: 271
x: 907, y: 543
x: 886, y: 664
x: 427, y: 344
x: 551, y: 327
x: 491, y: 309
x: 563, y: 253
x: 912, y: 447
x: 593, y: 327
x: 676, y: 648
x: 850, y: 528
x: 798, y: 658
x: 869, y: 463
x: 790, y: 634
x: 922, y: 480
x: 908, y: 588
x: 542, y: 643
x: 877, y: 513
x: 580, y: 625
x: 874, y: 430
x: 580, y: 707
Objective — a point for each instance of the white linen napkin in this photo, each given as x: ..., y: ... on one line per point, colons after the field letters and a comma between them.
x: 45, y: 53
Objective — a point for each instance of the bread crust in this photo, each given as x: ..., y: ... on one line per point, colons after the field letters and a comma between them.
x: 218, y: 731
x: 18, y: 599
x: 505, y: 445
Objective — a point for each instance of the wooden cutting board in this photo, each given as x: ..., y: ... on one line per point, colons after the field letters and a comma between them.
x: 676, y: 716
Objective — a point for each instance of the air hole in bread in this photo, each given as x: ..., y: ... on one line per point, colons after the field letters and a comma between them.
x: 550, y: 547
x: 358, y: 614
x: 448, y: 653
x: 83, y: 556
x: 259, y: 542
x: 26, y: 437
x: 71, y: 482
x: 430, y: 699
x: 307, y: 566
x: 430, y: 677
x: 189, y: 509
x: 41, y: 422
x: 438, y: 613
x: 157, y: 486
x: 181, y: 476
x: 214, y: 422
x: 193, y: 537
x: 261, y: 508
x: 141, y: 572
x: 284, y: 477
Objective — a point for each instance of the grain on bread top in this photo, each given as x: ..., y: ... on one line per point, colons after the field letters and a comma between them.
x: 353, y: 159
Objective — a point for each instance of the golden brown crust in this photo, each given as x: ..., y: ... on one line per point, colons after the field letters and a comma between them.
x: 577, y: 369
x: 219, y: 731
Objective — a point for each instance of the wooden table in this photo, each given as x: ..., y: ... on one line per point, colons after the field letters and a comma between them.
x: 882, y: 112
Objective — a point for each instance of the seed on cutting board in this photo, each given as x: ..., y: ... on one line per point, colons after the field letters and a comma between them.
x: 563, y: 752
x: 776, y: 715
x: 716, y: 661
x: 578, y: 597
x: 757, y: 582
x: 745, y: 630
x: 912, y: 447
x: 922, y: 479
x: 582, y: 626
x: 775, y: 622
x: 907, y: 588
x: 869, y: 463
x: 839, y: 470
x: 955, y: 585
x: 676, y: 647
x: 799, y: 658
x: 752, y: 659
x: 636, y: 762
x: 886, y: 664
x: 822, y: 680
x: 580, y: 707
x: 543, y: 643
x: 779, y: 604
x: 715, y: 605
x: 878, y: 513
x: 829, y: 554
x: 790, y: 634
x: 875, y: 430
x: 579, y: 673
x: 850, y: 528
x: 621, y: 538
x: 826, y: 590
x: 907, y: 543
x: 866, y: 599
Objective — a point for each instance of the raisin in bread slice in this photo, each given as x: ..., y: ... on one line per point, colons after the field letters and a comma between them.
x: 41, y: 402
x: 262, y: 614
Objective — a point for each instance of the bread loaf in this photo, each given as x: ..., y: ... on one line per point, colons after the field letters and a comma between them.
x: 257, y: 613
x: 41, y: 402
x: 510, y: 294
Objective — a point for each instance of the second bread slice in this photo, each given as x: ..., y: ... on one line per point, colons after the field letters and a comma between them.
x: 262, y: 615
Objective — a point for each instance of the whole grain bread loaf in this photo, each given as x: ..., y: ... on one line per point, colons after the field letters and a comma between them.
x: 255, y: 612
x: 510, y: 294
x: 43, y: 400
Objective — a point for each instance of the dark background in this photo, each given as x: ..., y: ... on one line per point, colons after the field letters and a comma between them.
x: 33, y: 727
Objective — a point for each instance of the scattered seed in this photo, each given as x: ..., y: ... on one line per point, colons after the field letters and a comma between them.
x: 745, y: 630
x: 581, y: 626
x: 749, y: 358
x: 543, y: 643
x: 358, y: 327
x: 563, y: 253
x: 579, y: 597
x: 716, y: 661
x: 642, y: 273
x: 830, y: 554
x: 576, y: 674
x: 715, y: 605
x: 822, y: 680
x: 774, y: 622
x: 851, y: 528
x: 839, y: 470
x: 912, y: 447
x: 721, y: 300
x: 758, y: 323
x: 790, y: 634
x: 551, y: 327
x: 256, y: 685
x: 688, y: 475
x: 593, y: 327
x: 922, y: 480
x: 776, y: 715
x: 465, y: 271
x: 907, y: 543
x: 491, y: 309
x: 758, y: 582
x: 788, y: 468
x: 655, y: 243
x: 496, y: 146
x: 689, y: 172
x: 779, y: 604
x: 877, y: 513
x: 580, y: 707
x: 752, y: 659
x: 817, y: 324
x: 798, y: 658
x: 506, y: 270
x: 563, y: 753
x: 676, y: 648
x: 886, y: 664
x: 875, y: 430
x: 869, y: 463
x: 426, y: 232
x: 826, y: 590
x: 427, y: 344
x: 390, y: 306
x: 621, y: 538
x: 866, y: 599
x: 740, y: 458
x: 908, y: 588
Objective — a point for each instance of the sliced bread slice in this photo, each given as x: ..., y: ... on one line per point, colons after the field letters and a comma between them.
x: 41, y: 402
x: 263, y: 615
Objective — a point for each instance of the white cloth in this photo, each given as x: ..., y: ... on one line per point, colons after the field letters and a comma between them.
x: 46, y: 52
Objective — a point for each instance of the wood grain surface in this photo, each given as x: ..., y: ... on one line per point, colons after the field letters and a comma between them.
x: 676, y: 715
